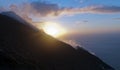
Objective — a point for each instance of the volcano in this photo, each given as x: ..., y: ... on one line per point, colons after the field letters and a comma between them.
x: 24, y: 47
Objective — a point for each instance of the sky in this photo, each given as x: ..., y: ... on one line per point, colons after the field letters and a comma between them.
x: 77, y: 16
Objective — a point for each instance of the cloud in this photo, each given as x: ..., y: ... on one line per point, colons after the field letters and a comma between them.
x: 81, y: 1
x: 97, y: 9
x: 73, y: 43
x: 45, y: 9
x: 2, y: 9
x: 85, y: 21
x: 24, y: 10
x: 116, y: 18
x: 102, y: 9
x: 81, y: 22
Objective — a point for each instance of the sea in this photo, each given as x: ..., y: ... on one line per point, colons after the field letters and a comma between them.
x: 106, y: 46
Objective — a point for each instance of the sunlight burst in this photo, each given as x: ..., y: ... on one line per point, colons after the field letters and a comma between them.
x: 54, y: 29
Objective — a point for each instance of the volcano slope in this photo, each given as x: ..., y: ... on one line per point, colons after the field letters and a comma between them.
x: 24, y: 47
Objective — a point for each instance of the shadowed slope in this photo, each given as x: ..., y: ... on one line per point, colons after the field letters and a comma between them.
x: 23, y: 46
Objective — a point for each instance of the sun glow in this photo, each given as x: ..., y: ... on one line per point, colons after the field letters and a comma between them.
x: 54, y: 29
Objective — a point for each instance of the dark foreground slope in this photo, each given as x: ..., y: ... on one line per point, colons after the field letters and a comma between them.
x: 23, y: 47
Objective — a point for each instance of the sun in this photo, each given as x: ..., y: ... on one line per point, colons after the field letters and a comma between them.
x: 53, y: 29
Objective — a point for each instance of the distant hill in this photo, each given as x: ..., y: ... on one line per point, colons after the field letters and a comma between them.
x: 24, y: 47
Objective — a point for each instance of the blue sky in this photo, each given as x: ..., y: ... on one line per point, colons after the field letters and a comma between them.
x: 81, y: 16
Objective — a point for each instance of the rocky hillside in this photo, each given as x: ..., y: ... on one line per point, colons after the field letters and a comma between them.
x: 24, y: 47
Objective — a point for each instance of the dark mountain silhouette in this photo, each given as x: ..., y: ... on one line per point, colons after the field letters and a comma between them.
x: 23, y: 47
